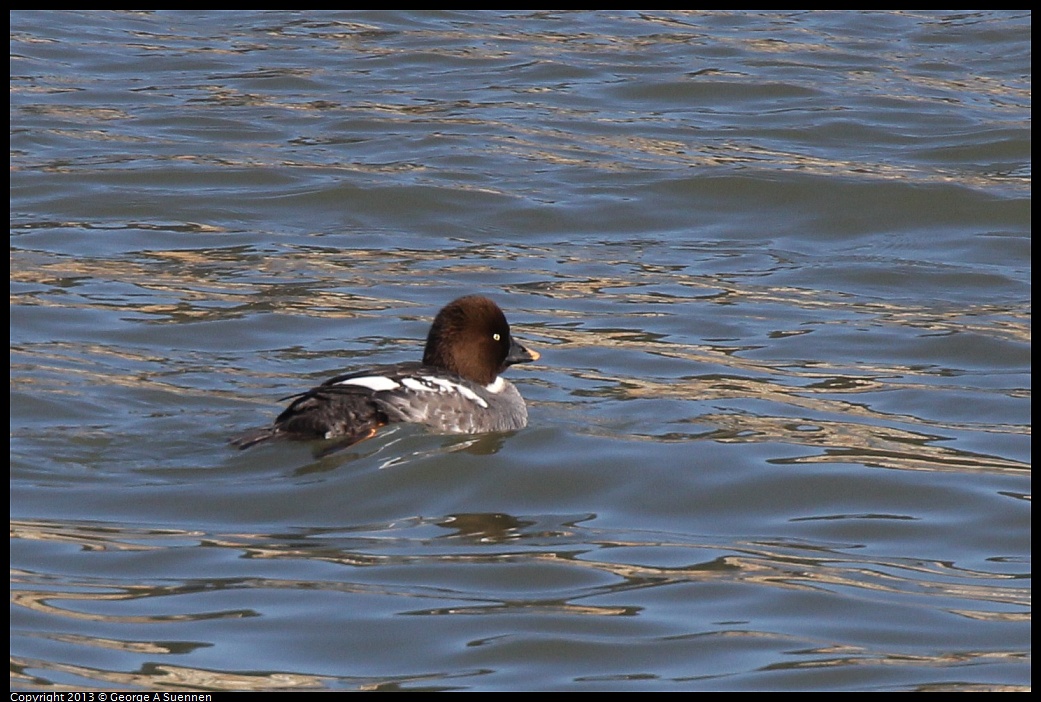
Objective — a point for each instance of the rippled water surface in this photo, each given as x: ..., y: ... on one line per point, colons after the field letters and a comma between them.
x: 777, y: 265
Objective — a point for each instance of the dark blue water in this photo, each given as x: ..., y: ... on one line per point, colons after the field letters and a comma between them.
x: 777, y: 265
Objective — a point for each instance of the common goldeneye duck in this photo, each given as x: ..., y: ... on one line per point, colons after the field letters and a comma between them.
x: 457, y: 389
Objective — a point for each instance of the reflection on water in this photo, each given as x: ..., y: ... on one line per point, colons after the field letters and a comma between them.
x: 777, y: 265
x: 565, y: 569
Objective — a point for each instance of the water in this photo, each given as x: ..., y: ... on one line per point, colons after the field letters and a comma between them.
x: 777, y: 265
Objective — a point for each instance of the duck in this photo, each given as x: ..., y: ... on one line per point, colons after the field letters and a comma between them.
x: 457, y: 388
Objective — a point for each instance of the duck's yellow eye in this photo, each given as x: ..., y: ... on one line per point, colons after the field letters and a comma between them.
x: 496, y: 337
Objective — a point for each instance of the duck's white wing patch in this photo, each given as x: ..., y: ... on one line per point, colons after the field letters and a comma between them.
x: 417, y: 385
x: 376, y: 383
x: 432, y: 383
x: 449, y: 386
